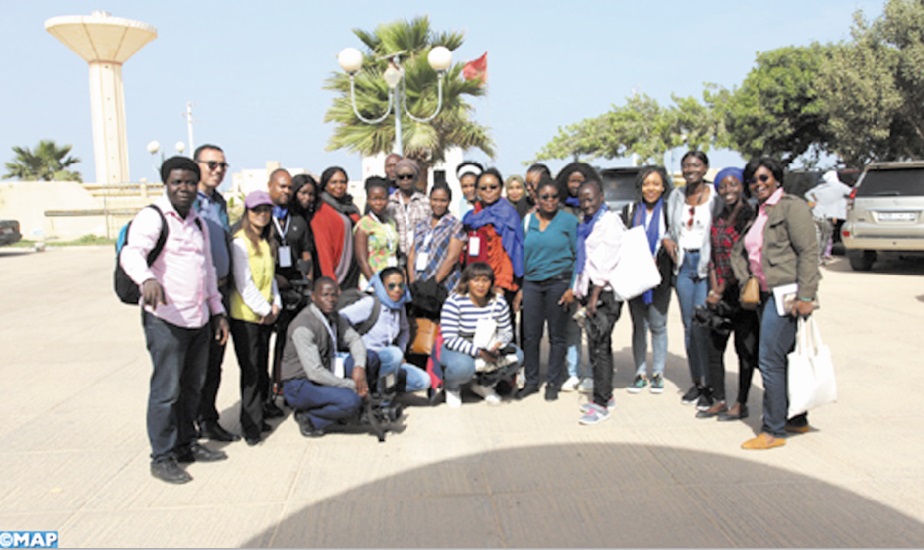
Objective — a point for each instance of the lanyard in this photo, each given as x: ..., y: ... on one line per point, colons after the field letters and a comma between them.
x: 333, y: 335
x: 282, y: 231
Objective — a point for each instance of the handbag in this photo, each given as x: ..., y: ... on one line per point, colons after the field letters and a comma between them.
x: 424, y: 335
x: 635, y: 271
x: 810, y: 377
x: 750, y: 294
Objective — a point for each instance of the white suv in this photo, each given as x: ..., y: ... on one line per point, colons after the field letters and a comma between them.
x: 885, y: 213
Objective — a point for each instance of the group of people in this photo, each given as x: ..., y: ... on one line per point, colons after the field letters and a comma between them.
x: 344, y: 290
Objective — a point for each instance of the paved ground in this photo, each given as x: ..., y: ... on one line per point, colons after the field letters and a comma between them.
x: 74, y: 453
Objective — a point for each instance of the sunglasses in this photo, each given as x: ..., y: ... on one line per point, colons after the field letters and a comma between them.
x: 395, y: 286
x: 692, y: 215
x: 763, y: 178
x: 549, y: 197
x: 404, y: 176
x: 488, y: 187
x: 214, y: 164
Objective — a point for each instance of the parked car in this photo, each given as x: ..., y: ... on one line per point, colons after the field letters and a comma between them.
x: 619, y: 186
x: 885, y: 213
x: 9, y: 232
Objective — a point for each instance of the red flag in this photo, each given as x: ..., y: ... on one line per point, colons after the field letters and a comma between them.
x: 477, y: 69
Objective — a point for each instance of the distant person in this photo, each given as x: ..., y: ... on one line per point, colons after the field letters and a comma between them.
x: 255, y: 306
x: 212, y: 208
x: 375, y: 238
x: 294, y: 244
x: 407, y: 206
x: 515, y: 189
x: 468, y: 173
x: 182, y: 311
x: 326, y: 369
x: 649, y: 311
x: 531, y: 180
x: 305, y: 203
x: 391, y: 162
x: 333, y: 225
x: 828, y: 201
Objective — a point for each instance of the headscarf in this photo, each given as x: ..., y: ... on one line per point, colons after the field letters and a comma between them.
x: 728, y: 171
x: 503, y: 216
x: 584, y: 229
x: 408, y: 163
x: 379, y: 287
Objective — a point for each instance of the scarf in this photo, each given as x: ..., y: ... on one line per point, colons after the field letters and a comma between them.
x: 379, y: 287
x: 280, y: 212
x: 343, y: 205
x: 584, y: 229
x: 652, y: 233
x: 573, y: 202
x: 507, y: 223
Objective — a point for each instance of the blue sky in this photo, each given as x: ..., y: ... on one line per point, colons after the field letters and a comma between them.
x: 255, y: 70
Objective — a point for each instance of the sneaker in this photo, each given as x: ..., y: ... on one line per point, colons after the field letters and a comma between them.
x: 490, y: 396
x: 610, y: 405
x: 586, y: 386
x: 453, y: 398
x: 657, y: 384
x: 692, y: 395
x: 594, y: 415
x: 705, y: 402
x: 638, y: 384
x: 571, y: 384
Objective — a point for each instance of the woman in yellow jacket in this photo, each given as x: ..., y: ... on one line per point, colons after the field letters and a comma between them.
x: 255, y: 304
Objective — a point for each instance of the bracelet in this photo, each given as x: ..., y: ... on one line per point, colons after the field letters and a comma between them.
x: 801, y: 299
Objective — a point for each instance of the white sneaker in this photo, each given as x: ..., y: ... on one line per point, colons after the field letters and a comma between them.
x: 490, y: 396
x: 454, y: 398
x: 587, y: 385
x: 571, y: 384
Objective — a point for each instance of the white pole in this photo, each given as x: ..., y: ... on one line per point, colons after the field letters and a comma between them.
x: 189, y: 127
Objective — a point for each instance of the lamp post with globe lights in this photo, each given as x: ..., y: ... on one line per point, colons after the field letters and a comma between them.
x: 154, y: 148
x: 351, y: 61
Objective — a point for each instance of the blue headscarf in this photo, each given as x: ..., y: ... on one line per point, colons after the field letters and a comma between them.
x: 379, y: 287
x: 584, y: 229
x: 503, y: 216
x: 728, y: 171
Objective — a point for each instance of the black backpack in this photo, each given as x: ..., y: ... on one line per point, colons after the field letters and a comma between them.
x: 352, y: 295
x: 125, y: 288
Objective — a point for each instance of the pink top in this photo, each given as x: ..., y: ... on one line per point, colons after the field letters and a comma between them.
x: 754, y: 240
x: 184, y: 268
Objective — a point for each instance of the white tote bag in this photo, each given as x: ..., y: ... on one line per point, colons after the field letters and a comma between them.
x: 810, y: 378
x: 635, y: 271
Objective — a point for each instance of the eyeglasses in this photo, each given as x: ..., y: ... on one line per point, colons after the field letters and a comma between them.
x: 763, y: 178
x: 395, y: 286
x: 404, y: 176
x: 549, y: 197
x: 214, y: 164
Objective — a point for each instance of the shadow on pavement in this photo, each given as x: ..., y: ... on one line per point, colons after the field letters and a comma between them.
x: 596, y: 495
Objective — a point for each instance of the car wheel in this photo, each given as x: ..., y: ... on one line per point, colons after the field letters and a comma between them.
x: 861, y: 260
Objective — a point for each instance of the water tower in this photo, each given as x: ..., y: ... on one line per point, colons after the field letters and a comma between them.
x: 105, y: 42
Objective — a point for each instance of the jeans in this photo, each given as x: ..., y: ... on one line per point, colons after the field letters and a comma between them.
x: 540, y: 306
x: 600, y: 345
x: 251, y: 346
x: 459, y: 368
x: 691, y: 292
x: 207, y: 410
x: 180, y: 357
x: 574, y: 338
x: 777, y: 340
x: 746, y: 326
x: 649, y: 318
x: 392, y: 358
x: 324, y: 405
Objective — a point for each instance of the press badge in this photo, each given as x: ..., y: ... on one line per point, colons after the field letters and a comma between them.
x: 422, y: 259
x: 285, y: 256
x: 474, y: 245
x: 340, y: 364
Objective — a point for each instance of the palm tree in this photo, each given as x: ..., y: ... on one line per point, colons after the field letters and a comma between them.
x: 47, y: 163
x: 424, y: 142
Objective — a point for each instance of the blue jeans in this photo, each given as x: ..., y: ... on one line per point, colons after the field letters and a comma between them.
x: 540, y: 306
x: 575, y: 341
x: 459, y: 368
x: 649, y: 318
x: 392, y: 358
x: 691, y: 292
x: 777, y: 339
x: 180, y: 357
x: 324, y: 405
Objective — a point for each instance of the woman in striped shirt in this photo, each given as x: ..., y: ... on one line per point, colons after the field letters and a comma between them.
x: 476, y: 307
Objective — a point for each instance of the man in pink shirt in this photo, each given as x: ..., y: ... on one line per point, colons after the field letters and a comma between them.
x: 181, y: 307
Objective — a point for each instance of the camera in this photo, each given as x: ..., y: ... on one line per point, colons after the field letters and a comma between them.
x: 717, y: 320
x: 382, y: 412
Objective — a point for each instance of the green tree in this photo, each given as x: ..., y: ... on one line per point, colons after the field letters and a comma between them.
x: 425, y: 142
x: 47, y: 162
x: 874, y: 87
x: 777, y: 110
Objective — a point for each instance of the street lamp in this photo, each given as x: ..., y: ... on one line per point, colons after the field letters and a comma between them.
x: 154, y: 148
x: 351, y: 61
